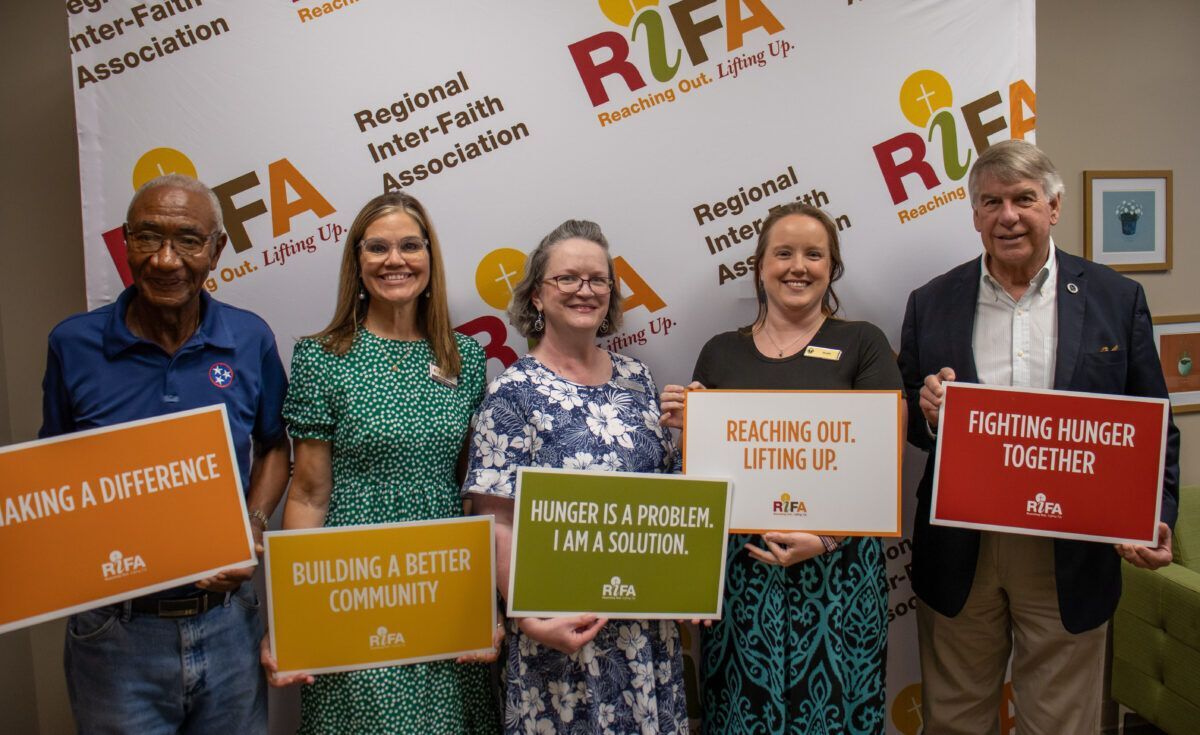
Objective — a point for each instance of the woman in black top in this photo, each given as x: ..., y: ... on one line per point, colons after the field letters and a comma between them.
x: 803, y: 643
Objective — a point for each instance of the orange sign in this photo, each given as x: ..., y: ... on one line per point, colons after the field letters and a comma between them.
x: 100, y: 516
x: 368, y: 596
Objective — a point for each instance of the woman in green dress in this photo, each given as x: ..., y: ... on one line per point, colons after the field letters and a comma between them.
x: 378, y: 408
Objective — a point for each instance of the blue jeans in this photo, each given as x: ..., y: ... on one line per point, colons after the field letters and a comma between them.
x: 136, y: 673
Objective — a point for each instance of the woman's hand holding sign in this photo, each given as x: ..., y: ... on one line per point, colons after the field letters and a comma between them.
x: 489, y: 657
x: 670, y: 402
x: 565, y: 635
x: 787, y: 548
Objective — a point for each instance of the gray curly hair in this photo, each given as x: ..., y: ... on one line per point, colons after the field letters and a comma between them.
x: 521, y: 311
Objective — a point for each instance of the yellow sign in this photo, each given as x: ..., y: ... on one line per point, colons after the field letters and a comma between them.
x: 380, y: 595
x: 95, y: 517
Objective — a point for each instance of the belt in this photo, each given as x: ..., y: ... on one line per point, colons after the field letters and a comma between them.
x: 180, y: 607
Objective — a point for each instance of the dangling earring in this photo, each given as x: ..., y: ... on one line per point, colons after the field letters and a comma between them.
x: 362, y: 293
x: 427, y: 293
x: 539, y: 324
x: 604, y: 326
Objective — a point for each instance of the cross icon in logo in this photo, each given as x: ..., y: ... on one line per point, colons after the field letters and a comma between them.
x: 506, y: 276
x: 925, y: 98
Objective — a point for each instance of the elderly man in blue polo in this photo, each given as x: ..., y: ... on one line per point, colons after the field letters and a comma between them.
x: 185, y: 659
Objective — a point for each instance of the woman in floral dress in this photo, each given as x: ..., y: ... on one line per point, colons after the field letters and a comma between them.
x: 568, y: 404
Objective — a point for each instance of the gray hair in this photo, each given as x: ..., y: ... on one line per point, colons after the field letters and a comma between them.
x: 186, y: 183
x: 521, y: 311
x: 1011, y: 161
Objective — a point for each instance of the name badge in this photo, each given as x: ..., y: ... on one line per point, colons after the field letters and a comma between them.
x: 624, y: 382
x: 822, y: 353
x: 436, y: 373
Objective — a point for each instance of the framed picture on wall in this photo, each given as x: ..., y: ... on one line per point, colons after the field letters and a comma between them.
x: 1178, y: 341
x: 1127, y: 219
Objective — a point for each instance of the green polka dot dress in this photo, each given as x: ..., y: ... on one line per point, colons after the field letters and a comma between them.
x: 395, y: 436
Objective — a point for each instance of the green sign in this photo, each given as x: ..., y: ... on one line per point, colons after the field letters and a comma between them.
x: 619, y: 544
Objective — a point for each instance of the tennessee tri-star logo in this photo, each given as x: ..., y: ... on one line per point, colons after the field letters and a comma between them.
x: 221, y: 375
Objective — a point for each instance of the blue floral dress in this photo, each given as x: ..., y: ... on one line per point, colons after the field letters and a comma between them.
x: 629, y: 679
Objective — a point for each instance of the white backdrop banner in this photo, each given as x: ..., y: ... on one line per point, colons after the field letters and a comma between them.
x: 675, y: 125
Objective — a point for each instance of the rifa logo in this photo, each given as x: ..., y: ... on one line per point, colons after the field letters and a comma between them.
x: 282, y: 177
x: 1043, y: 508
x: 384, y: 639
x: 785, y: 506
x: 607, y: 53
x: 119, y: 565
x: 617, y: 590
x: 927, y: 101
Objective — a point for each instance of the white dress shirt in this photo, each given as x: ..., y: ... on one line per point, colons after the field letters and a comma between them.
x: 1015, y: 340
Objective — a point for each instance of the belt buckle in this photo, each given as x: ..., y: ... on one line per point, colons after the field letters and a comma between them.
x: 184, y: 608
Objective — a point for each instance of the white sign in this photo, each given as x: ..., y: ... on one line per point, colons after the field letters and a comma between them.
x: 819, y: 461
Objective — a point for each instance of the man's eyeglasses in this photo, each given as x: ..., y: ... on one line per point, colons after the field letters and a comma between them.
x: 149, y: 242
x: 409, y: 248
x: 573, y: 284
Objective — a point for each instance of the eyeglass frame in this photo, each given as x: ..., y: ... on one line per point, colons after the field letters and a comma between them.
x: 398, y: 246
x: 132, y: 237
x: 610, y: 283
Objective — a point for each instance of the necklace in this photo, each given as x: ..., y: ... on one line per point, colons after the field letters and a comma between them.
x: 400, y: 350
x: 408, y: 346
x: 783, y: 350
x: 395, y: 351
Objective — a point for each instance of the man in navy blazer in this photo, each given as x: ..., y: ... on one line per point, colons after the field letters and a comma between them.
x: 1022, y: 314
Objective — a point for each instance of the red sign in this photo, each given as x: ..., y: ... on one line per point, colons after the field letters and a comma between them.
x: 1050, y: 463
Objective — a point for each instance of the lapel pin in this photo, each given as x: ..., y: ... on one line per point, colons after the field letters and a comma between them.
x: 1072, y: 288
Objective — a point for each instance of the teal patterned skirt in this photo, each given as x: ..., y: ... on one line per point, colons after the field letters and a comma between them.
x: 801, y: 649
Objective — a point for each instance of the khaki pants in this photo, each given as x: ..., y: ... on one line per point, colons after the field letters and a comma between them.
x: 1012, y: 608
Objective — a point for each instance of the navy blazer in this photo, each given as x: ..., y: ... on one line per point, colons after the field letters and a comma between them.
x: 1104, y: 308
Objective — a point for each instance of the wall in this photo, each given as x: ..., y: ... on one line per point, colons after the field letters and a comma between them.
x: 41, y: 281
x: 17, y: 690
x: 1117, y: 89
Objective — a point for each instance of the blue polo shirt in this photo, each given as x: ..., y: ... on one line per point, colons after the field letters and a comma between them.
x: 98, y: 373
